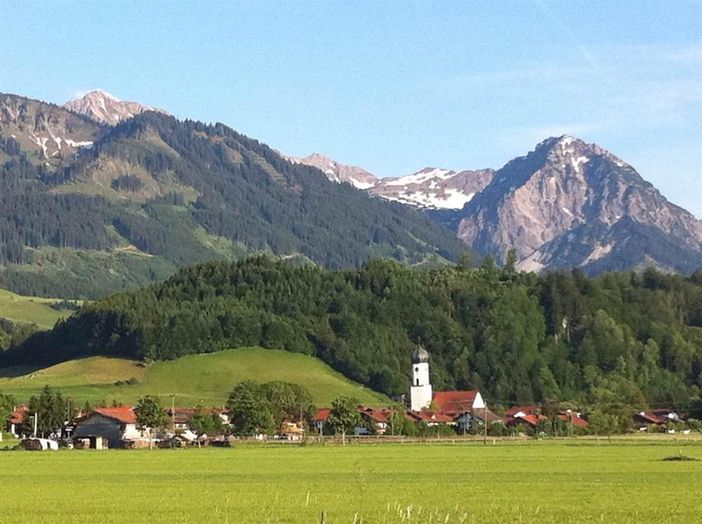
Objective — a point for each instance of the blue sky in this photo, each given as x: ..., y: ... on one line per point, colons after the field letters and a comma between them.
x: 390, y: 86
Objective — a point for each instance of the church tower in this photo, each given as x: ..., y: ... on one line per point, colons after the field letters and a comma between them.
x: 420, y: 394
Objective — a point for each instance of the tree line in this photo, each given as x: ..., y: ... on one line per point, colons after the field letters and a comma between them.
x: 237, y: 189
x: 519, y: 337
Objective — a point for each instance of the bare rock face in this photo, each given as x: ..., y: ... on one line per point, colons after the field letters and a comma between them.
x: 104, y: 108
x: 45, y: 133
x: 571, y: 204
x: 430, y: 188
x: 337, y: 172
x: 433, y: 188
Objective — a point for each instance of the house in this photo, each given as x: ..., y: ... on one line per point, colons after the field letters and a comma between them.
x: 533, y: 421
x: 573, y: 417
x: 181, y: 417
x: 17, y: 418
x: 515, y: 412
x: 643, y: 420
x: 292, y: 430
x: 430, y: 418
x: 533, y: 417
x: 115, y: 426
x: 320, y: 419
x: 466, y: 408
x: 381, y: 418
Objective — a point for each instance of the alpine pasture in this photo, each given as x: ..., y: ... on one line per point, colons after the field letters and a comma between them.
x: 194, y: 379
x: 30, y: 310
x: 534, y: 481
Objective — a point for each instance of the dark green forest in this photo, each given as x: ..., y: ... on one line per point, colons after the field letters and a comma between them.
x: 196, y: 184
x: 520, y: 337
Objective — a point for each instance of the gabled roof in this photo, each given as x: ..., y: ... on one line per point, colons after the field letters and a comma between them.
x: 650, y: 417
x: 486, y: 414
x: 455, y: 401
x: 574, y: 418
x: 430, y: 417
x: 532, y: 420
x: 377, y: 415
x: 122, y: 414
x: 18, y: 416
x: 527, y: 410
x: 321, y: 415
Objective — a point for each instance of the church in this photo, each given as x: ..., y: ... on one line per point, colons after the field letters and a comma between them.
x: 462, y: 407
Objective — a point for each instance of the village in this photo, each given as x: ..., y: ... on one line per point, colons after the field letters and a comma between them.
x: 429, y: 414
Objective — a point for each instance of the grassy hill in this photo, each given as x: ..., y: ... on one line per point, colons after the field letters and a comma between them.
x: 30, y: 310
x: 194, y: 379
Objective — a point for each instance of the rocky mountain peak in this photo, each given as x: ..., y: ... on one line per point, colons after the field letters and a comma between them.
x: 573, y: 204
x: 338, y: 172
x: 105, y: 108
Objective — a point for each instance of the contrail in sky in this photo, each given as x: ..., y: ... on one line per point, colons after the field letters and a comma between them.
x: 570, y: 35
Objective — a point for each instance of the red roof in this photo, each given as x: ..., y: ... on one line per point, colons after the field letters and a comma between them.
x: 430, y: 416
x: 574, y: 419
x: 532, y: 420
x: 455, y: 401
x: 651, y: 418
x: 321, y: 415
x: 527, y: 410
x: 122, y: 414
x: 18, y: 416
x: 377, y: 415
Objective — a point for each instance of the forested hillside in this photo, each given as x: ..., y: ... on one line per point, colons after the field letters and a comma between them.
x: 89, y: 209
x: 621, y: 337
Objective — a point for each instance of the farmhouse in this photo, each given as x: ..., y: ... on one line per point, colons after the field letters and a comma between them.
x: 534, y: 417
x: 113, y: 426
x: 380, y: 418
x: 181, y: 416
x: 320, y: 419
x: 645, y: 420
x: 16, y: 420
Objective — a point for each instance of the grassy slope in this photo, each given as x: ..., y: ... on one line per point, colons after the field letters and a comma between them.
x: 205, y: 379
x: 35, y: 310
x: 538, y: 481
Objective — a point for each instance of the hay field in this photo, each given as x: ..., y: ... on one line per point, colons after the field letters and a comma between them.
x: 535, y: 481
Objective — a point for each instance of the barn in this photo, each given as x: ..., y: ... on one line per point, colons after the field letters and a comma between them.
x: 111, y: 425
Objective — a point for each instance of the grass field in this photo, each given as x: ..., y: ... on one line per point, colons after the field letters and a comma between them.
x: 29, y: 310
x: 538, y: 481
x: 194, y: 379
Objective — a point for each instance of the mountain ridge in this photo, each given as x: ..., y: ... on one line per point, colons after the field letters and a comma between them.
x: 566, y: 204
x: 153, y: 193
x: 105, y: 108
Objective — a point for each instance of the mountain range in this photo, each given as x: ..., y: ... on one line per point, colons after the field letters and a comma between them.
x: 89, y: 208
x: 100, y: 195
x: 567, y: 204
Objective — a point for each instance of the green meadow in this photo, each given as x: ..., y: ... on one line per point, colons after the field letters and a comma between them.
x: 29, y: 310
x: 195, y: 379
x: 535, y: 481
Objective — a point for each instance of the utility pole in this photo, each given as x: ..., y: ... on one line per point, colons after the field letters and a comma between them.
x: 173, y: 412
x: 485, y: 424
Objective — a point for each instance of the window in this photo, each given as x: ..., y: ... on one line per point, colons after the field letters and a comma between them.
x: 416, y: 370
x: 418, y: 382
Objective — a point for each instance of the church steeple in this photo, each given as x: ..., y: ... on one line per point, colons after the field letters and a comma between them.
x: 421, y: 392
